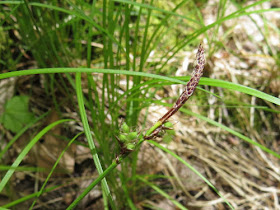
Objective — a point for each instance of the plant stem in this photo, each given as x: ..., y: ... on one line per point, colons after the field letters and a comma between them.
x: 92, y: 185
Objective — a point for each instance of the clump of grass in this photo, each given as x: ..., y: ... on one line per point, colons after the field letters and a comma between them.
x: 129, y: 141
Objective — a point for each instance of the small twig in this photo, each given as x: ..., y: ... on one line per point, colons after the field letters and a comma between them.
x: 188, y: 91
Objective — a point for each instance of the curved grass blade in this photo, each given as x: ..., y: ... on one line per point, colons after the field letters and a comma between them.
x: 161, y: 192
x: 28, y: 197
x: 240, y: 88
x: 192, y: 168
x: 241, y: 136
x: 105, y: 187
x: 92, y: 185
x: 26, y: 150
x: 174, y: 50
x: 206, y: 81
x: 53, y: 168
x: 147, y: 6
x: 78, y: 13
x: 25, y: 128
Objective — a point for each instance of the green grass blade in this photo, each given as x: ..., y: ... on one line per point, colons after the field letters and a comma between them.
x: 28, y: 197
x: 25, y: 128
x: 240, y: 88
x: 124, y: 186
x: 26, y: 150
x: 53, y: 168
x: 161, y: 192
x: 147, y: 6
x: 174, y: 50
x: 77, y: 12
x: 241, y: 136
x: 23, y: 168
x: 192, y: 168
x: 92, y: 185
x: 87, y: 130
x: 203, y: 81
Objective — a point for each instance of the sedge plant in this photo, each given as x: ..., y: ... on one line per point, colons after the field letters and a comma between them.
x: 129, y: 140
x: 77, y: 26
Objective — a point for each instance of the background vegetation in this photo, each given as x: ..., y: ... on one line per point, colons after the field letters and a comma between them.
x: 73, y: 71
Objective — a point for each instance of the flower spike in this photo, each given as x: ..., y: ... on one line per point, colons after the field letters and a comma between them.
x: 187, y: 93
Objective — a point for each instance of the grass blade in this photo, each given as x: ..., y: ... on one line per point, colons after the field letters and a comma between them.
x: 92, y: 147
x: 203, y: 81
x: 53, y: 168
x: 26, y: 150
x: 192, y: 168
x: 160, y: 191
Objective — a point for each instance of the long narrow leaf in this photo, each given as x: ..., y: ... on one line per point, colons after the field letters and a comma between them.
x: 25, y: 128
x: 206, y: 81
x: 26, y: 150
x: 92, y: 146
x: 160, y: 191
x: 241, y: 136
x: 53, y: 168
x: 192, y: 168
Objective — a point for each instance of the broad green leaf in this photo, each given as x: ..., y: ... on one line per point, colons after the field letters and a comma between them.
x: 16, y: 113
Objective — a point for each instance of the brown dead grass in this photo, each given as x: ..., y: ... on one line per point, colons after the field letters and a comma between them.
x: 244, y: 174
